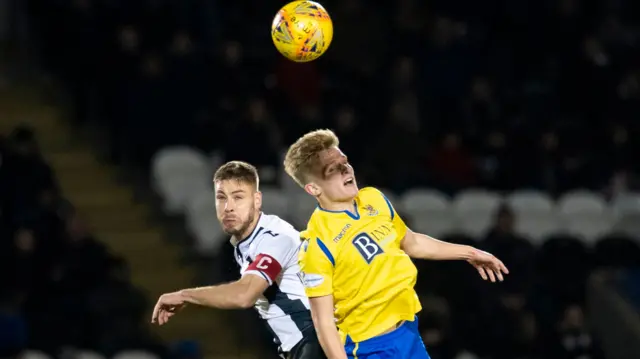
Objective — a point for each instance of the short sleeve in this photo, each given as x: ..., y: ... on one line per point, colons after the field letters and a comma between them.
x: 272, y: 254
x: 316, y: 268
x: 399, y: 225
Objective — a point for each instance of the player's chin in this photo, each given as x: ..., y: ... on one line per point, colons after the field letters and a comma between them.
x: 350, y: 190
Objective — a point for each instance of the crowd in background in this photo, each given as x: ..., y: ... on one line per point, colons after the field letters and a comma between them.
x: 499, y: 94
x: 446, y: 93
x: 59, y: 287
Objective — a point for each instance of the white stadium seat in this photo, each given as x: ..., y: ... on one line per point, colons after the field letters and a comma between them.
x: 393, y: 199
x: 530, y: 202
x: 203, y: 224
x: 274, y: 201
x: 581, y: 202
x: 86, y: 354
x: 588, y: 227
x: 475, y: 210
x: 302, y: 205
x: 585, y: 214
x: 429, y: 211
x: 178, y: 173
x: 626, y: 204
x: 537, y: 227
x: 135, y: 354
x: 535, y: 212
x: 34, y: 354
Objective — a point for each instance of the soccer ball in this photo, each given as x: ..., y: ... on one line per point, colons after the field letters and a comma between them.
x: 302, y: 31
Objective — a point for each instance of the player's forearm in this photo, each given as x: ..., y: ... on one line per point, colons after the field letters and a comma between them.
x: 418, y: 245
x: 330, y: 341
x: 224, y: 296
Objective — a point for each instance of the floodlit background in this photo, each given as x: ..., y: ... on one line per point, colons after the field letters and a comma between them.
x: 512, y: 125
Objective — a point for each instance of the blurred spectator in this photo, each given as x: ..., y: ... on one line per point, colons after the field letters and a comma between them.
x: 452, y: 164
x: 573, y: 340
x: 503, y: 242
x: 13, y: 328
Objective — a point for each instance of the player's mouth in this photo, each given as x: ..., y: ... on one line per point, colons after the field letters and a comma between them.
x: 349, y: 181
x: 229, y: 221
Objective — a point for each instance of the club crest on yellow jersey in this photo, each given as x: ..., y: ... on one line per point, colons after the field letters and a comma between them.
x: 370, y: 210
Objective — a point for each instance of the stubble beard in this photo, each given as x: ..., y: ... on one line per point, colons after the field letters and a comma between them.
x: 240, y: 232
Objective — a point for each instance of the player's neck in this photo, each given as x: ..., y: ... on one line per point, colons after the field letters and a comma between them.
x: 336, y: 206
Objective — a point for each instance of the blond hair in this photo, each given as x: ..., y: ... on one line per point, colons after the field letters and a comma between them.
x: 303, y: 157
x: 237, y: 170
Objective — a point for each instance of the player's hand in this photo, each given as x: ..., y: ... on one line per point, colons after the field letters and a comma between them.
x: 168, y: 305
x: 488, y: 266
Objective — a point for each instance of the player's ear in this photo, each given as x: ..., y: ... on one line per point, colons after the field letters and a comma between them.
x: 257, y: 200
x: 313, y: 189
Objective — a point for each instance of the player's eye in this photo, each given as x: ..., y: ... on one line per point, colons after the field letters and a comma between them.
x: 220, y: 198
x: 237, y: 198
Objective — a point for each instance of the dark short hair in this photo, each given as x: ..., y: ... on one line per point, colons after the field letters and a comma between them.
x: 237, y: 170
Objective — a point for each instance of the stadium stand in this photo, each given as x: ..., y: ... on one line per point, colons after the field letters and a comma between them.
x: 510, y: 125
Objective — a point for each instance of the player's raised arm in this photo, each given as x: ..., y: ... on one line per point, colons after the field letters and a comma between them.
x: 418, y: 245
x: 242, y: 293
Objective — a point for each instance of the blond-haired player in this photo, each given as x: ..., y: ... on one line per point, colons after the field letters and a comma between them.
x: 356, y: 258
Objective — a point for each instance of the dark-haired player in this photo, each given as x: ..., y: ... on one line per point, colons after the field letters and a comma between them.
x: 266, y: 249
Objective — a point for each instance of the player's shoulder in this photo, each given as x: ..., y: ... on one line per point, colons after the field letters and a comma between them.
x: 315, y: 249
x: 275, y: 231
x: 374, y: 201
x: 371, y: 194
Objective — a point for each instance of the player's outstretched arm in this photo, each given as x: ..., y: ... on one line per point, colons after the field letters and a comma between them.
x: 322, y: 309
x: 242, y: 293
x: 418, y: 245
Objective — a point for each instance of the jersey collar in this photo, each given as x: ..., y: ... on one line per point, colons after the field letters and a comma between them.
x: 355, y: 214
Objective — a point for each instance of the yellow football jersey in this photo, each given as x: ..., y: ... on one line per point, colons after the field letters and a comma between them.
x: 356, y: 257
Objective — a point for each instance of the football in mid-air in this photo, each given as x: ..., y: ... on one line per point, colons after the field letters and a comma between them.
x: 302, y: 31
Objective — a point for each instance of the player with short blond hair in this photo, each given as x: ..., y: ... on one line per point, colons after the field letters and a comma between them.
x: 356, y: 258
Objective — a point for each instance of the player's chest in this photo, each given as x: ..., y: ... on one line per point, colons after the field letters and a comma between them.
x: 365, y: 238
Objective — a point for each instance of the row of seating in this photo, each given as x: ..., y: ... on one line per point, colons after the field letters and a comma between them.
x: 182, y: 177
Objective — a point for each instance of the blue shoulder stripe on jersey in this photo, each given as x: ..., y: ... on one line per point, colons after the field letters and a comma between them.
x: 393, y: 213
x: 326, y: 251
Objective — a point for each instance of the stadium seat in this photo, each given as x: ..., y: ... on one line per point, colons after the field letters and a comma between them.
x: 466, y: 355
x: 391, y: 196
x: 581, y: 202
x: 474, y: 211
x: 626, y: 204
x: 86, y: 354
x: 536, y: 216
x: 203, y: 224
x: 585, y: 215
x: 274, y: 201
x: 179, y: 173
x: 135, y: 354
x: 529, y: 202
x: 34, y: 354
x: 302, y: 205
x: 429, y: 211
x: 537, y: 227
x: 629, y: 224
